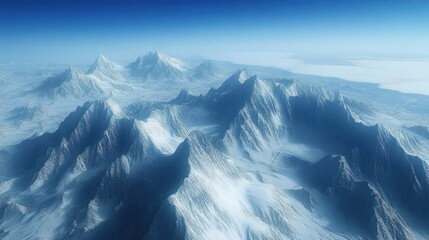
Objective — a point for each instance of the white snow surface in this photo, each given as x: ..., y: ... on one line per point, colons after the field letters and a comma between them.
x: 238, y: 186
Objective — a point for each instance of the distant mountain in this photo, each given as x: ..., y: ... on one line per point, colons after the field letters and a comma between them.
x: 106, y: 70
x: 185, y: 97
x: 71, y: 83
x: 207, y: 70
x: 102, y: 79
x: 158, y: 66
x: 234, y: 81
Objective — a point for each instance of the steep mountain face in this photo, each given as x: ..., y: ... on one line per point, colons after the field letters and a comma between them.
x: 98, y: 170
x: 162, y: 117
x: 206, y: 71
x: 372, y: 151
x: 358, y: 199
x: 158, y: 66
x: 102, y: 65
x: 108, y: 71
x: 262, y: 116
x: 185, y: 97
x: 71, y: 83
x: 233, y: 82
x: 103, y: 78
x: 232, y: 204
x: 252, y: 159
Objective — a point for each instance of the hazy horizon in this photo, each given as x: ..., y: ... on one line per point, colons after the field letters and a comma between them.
x: 73, y: 31
x: 328, y: 38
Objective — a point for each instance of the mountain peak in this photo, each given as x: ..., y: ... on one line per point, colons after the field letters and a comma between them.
x: 237, y: 79
x: 101, y: 57
x: 158, y: 66
x: 102, y: 60
x: 156, y: 53
x: 241, y: 75
x: 207, y: 64
x: 207, y: 70
x: 108, y: 105
x: 72, y: 69
x: 71, y: 73
x: 72, y: 82
x: 101, y: 64
x: 185, y: 96
x: 158, y: 56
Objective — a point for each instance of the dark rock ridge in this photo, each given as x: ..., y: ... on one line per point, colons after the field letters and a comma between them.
x: 375, y: 167
x: 360, y: 202
x: 104, y: 172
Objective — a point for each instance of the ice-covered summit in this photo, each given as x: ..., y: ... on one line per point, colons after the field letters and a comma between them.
x: 102, y: 64
x: 158, y: 66
x: 206, y: 70
x: 71, y: 83
x: 234, y: 81
x: 102, y: 79
x: 109, y: 73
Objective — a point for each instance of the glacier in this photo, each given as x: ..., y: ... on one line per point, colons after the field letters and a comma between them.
x: 162, y: 148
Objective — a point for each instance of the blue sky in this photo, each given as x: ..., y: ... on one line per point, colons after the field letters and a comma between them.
x: 75, y: 31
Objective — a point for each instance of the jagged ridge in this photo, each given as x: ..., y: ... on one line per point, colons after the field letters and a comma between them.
x: 96, y: 169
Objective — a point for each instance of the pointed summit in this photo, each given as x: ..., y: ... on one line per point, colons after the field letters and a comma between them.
x: 73, y: 72
x: 157, y: 57
x: 184, y: 97
x: 158, y: 66
x: 107, y: 71
x: 206, y: 70
x: 156, y: 53
x: 102, y: 60
x: 72, y: 82
x: 102, y: 64
x: 234, y: 81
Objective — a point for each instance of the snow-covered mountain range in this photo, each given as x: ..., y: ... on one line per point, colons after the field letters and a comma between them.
x: 260, y: 154
x: 103, y: 78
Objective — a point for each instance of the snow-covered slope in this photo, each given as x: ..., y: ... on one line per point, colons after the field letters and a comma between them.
x: 106, y: 70
x: 71, y: 83
x: 258, y: 116
x: 234, y: 204
x: 158, y: 66
x: 207, y: 71
x: 91, y: 174
x: 251, y: 159
x: 103, y: 78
